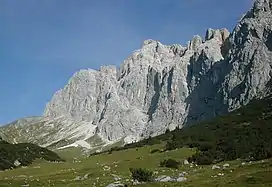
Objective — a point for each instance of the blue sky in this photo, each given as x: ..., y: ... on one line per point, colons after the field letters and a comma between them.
x: 42, y: 43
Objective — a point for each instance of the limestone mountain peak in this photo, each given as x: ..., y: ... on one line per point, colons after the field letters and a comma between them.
x: 163, y: 87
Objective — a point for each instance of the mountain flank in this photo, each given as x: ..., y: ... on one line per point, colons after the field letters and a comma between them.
x: 158, y: 87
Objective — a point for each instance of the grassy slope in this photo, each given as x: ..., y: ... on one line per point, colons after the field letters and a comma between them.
x: 63, y: 174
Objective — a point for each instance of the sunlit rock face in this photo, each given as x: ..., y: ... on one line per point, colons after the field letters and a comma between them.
x: 145, y: 96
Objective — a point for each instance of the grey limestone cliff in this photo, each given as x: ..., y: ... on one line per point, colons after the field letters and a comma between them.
x: 146, y: 95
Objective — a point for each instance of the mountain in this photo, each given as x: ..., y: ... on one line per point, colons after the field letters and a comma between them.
x: 23, y: 154
x: 158, y: 87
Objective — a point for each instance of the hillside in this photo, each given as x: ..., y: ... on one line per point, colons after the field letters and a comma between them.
x: 23, y: 154
x: 105, y: 169
x: 244, y: 133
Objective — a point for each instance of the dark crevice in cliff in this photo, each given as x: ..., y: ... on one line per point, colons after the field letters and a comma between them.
x: 156, y: 96
x: 107, y: 97
x: 268, y: 42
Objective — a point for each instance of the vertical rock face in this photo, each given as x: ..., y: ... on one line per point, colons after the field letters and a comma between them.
x: 145, y: 96
x: 249, y: 57
x: 132, y: 99
x: 163, y: 87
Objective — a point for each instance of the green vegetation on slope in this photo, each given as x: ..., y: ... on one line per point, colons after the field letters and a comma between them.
x: 244, y: 133
x: 23, y: 154
x: 102, y: 170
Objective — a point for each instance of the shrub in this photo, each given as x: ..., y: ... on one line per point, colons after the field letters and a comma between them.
x: 141, y: 175
x: 154, y: 151
x: 170, y: 163
x: 260, y: 152
x: 205, y: 146
x: 192, y: 144
x: 201, y: 158
x: 171, y: 145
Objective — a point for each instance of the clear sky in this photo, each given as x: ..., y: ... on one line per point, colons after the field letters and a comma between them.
x: 43, y: 43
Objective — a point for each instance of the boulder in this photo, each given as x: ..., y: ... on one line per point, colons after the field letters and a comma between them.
x: 17, y: 163
x: 226, y: 165
x: 116, y: 185
x: 216, y: 167
x: 185, y: 162
x: 181, y: 179
x: 165, y: 178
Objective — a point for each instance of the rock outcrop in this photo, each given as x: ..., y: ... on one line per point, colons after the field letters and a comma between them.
x: 163, y: 87
x: 142, y: 98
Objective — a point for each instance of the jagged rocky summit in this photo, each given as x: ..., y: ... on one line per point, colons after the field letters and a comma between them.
x: 159, y: 87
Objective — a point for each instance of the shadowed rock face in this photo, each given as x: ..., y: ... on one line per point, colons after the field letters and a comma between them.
x: 245, y: 71
x: 160, y: 87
